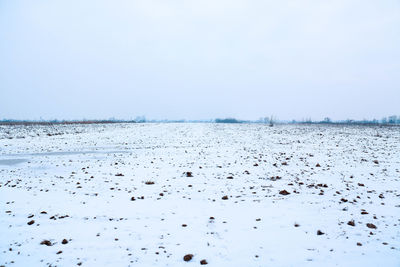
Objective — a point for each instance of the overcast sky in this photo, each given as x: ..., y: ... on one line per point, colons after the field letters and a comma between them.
x: 199, y: 59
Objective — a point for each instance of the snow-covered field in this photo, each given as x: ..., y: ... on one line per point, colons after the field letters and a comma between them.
x: 232, y: 195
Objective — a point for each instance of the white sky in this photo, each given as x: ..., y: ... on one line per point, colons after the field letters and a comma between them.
x: 199, y: 59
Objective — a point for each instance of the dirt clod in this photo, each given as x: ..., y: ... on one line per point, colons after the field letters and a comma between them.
x: 203, y: 262
x: 188, y: 257
x: 46, y: 242
x: 351, y: 223
x: 319, y: 232
x: 284, y: 192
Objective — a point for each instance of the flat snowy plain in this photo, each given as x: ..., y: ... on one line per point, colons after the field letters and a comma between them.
x: 149, y: 194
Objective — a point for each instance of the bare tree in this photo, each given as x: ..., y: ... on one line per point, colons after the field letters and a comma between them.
x: 271, y: 121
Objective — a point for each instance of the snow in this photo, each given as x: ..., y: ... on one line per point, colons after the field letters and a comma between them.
x: 72, y: 172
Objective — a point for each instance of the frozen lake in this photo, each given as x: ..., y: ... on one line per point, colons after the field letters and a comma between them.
x: 229, y: 194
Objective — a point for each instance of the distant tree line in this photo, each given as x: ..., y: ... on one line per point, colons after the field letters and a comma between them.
x: 391, y: 120
x: 271, y: 121
x: 52, y: 122
x: 228, y: 120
